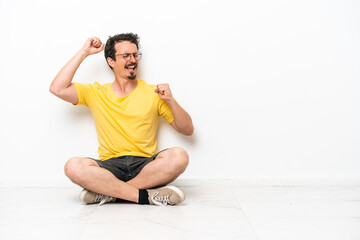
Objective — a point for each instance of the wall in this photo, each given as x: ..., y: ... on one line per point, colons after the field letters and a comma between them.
x: 272, y: 86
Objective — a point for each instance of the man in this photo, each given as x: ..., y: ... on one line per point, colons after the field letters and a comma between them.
x: 126, y: 114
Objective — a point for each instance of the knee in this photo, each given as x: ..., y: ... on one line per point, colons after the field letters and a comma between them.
x: 73, y: 169
x: 180, y: 158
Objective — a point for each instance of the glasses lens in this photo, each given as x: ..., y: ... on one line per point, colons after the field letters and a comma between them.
x: 126, y: 56
x: 138, y: 56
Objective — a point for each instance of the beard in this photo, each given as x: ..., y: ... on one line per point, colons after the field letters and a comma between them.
x: 132, y: 77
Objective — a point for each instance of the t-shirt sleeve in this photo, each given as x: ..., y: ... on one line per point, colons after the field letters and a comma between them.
x: 84, y: 93
x: 165, y: 111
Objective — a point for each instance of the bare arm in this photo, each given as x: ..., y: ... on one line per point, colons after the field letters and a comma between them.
x: 182, y: 120
x: 61, y: 86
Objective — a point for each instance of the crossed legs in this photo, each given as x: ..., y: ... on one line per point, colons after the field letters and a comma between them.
x: 165, y: 168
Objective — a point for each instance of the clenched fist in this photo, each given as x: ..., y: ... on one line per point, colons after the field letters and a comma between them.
x: 164, y: 92
x: 93, y: 45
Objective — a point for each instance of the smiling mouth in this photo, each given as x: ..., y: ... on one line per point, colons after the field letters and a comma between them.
x: 131, y: 68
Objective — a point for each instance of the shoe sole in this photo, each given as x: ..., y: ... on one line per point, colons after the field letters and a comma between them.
x: 178, y: 191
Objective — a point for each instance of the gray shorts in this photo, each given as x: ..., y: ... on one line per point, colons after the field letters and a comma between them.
x: 126, y: 168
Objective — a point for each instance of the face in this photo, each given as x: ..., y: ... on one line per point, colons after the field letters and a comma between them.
x: 122, y: 67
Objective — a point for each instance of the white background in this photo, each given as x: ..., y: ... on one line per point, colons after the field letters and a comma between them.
x: 272, y: 86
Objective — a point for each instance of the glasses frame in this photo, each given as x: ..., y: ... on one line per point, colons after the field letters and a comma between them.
x: 127, y: 56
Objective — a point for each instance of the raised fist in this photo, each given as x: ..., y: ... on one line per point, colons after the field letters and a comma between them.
x: 93, y: 45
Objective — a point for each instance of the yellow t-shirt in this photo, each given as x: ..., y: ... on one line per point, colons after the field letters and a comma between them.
x: 128, y: 125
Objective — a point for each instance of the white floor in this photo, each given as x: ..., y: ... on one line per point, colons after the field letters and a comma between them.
x: 207, y: 213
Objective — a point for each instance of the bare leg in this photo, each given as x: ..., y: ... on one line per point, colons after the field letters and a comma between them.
x: 167, y: 166
x: 88, y: 174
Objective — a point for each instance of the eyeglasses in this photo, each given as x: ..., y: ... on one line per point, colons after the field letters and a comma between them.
x: 127, y: 56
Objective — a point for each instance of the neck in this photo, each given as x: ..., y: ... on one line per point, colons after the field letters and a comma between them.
x: 122, y: 86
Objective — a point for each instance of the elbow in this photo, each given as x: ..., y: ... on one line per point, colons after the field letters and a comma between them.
x: 52, y: 89
x: 189, y: 131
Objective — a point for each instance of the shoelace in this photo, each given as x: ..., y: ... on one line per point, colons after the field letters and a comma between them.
x: 102, y: 199
x: 160, y: 201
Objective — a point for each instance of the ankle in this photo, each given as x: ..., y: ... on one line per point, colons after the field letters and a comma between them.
x: 143, y: 197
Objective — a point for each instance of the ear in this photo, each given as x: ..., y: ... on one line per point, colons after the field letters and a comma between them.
x: 110, y: 61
